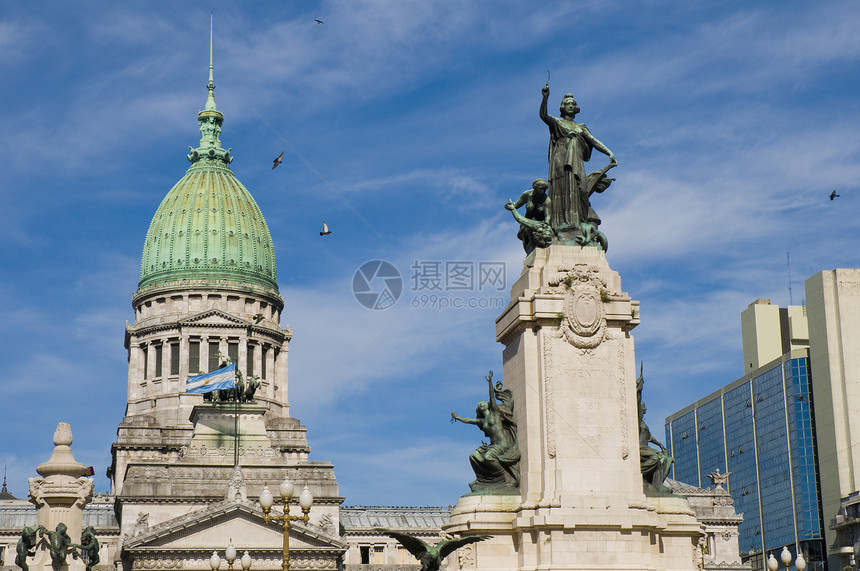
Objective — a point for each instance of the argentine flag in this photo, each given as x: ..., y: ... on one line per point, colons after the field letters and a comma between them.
x: 215, y: 381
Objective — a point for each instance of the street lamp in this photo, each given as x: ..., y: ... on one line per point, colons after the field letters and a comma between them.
x: 306, y: 499
x: 785, y: 556
x: 230, y: 555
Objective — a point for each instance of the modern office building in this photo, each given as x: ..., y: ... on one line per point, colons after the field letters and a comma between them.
x: 786, y: 430
x: 833, y: 305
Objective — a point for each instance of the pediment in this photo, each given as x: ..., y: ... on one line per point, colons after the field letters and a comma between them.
x: 207, y: 528
x: 215, y: 317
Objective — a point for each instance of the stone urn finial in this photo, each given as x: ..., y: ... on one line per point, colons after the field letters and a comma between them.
x: 63, y: 435
x: 62, y: 463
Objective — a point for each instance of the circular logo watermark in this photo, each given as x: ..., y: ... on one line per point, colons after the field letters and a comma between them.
x: 377, y: 284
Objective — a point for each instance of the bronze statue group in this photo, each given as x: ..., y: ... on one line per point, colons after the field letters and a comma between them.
x: 559, y: 210
x: 59, y: 546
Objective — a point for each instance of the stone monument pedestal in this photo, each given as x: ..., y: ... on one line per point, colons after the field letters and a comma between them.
x: 60, y: 496
x: 569, y: 361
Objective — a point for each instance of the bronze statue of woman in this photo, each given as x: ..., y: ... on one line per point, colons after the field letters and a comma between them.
x: 570, y: 146
x: 496, y: 464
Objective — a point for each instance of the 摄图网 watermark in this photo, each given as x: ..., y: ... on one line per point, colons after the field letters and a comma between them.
x: 440, y: 302
x: 435, y: 284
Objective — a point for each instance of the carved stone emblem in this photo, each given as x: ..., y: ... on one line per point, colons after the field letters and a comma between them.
x: 466, y: 557
x: 584, y: 322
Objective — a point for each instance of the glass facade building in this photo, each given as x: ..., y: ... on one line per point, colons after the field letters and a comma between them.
x: 760, y: 429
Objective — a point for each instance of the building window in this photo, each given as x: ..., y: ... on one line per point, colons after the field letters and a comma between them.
x: 159, y: 353
x: 404, y: 557
x: 193, y: 357
x: 174, y: 358
x: 250, y: 364
x: 213, y: 356
x: 145, y: 363
x: 378, y: 554
x: 233, y: 351
x: 365, y: 554
x: 263, y: 354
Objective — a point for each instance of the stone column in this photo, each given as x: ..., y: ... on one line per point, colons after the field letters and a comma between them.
x: 281, y: 381
x: 61, y: 494
x: 204, y: 353
x: 134, y: 378
x: 243, y: 354
x: 149, y: 365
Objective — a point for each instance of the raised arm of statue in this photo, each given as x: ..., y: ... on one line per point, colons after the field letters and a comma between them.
x: 454, y: 416
x: 492, y: 399
x: 543, y: 114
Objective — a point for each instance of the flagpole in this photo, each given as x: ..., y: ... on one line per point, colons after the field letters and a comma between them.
x: 236, y: 430
x: 237, y: 376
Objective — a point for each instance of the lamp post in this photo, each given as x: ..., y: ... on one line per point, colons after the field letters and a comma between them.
x: 785, y: 556
x: 306, y: 499
x: 230, y: 554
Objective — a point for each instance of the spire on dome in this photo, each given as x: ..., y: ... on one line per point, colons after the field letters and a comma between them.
x: 210, y: 120
x: 210, y: 100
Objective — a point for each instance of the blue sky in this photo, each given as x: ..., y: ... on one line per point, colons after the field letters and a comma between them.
x: 407, y: 126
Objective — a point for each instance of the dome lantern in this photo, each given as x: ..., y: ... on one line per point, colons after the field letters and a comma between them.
x: 210, y: 120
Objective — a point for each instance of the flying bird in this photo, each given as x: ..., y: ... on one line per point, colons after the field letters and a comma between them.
x: 431, y: 556
x: 258, y: 317
x: 325, y: 229
x: 319, y: 21
x: 278, y: 160
x: 833, y: 195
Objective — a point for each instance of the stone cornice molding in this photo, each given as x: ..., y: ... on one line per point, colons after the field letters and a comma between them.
x: 310, y: 559
x: 200, y: 286
x: 332, y: 501
x: 232, y: 320
x: 277, y: 337
x: 199, y: 518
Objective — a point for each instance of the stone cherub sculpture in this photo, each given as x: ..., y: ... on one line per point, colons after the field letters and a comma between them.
x: 431, y: 556
x: 60, y: 544
x: 535, y: 231
x: 654, y: 464
x: 570, y: 189
x: 89, y: 547
x: 26, y: 547
x: 496, y: 464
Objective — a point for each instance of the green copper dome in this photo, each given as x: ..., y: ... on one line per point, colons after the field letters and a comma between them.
x: 209, y: 227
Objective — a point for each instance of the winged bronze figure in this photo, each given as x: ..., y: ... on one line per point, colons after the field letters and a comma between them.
x: 431, y: 556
